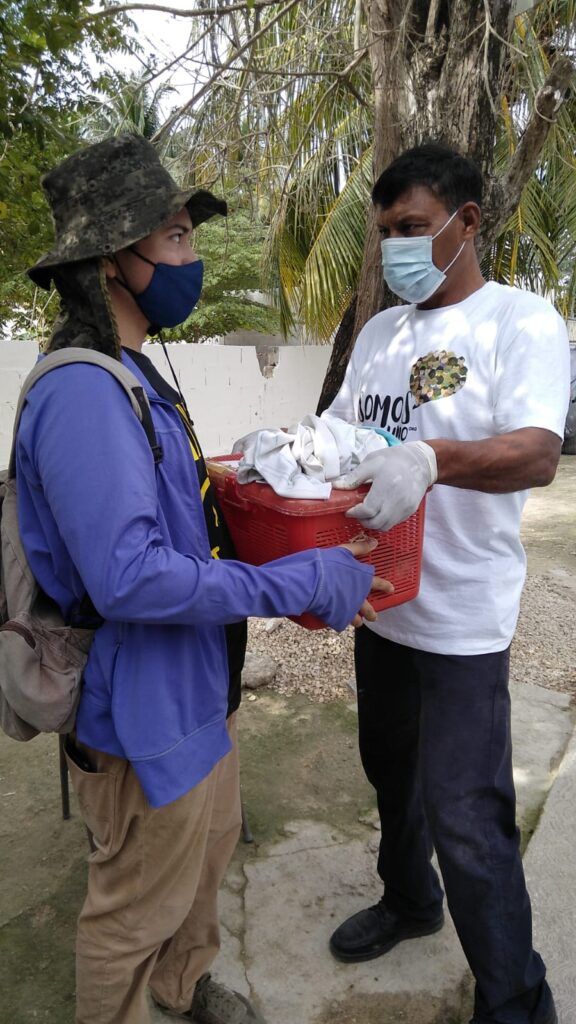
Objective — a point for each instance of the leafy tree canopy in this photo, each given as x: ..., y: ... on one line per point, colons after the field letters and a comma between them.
x: 49, y: 68
x: 43, y: 59
x: 282, y: 107
x: 25, y: 226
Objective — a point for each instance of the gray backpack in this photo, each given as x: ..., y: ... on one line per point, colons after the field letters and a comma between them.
x: 42, y: 658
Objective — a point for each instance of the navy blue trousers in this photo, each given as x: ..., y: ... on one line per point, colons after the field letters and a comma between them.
x: 435, y: 744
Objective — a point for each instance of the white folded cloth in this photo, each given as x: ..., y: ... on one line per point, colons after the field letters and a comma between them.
x: 301, y: 461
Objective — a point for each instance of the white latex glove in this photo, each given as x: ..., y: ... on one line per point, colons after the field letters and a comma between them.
x: 401, y: 476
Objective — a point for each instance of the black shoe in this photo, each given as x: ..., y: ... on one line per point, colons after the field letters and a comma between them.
x: 374, y: 931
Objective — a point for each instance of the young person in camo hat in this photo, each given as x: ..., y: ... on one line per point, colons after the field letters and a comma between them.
x: 153, y: 759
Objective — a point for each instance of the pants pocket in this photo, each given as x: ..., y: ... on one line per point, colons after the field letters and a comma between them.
x: 96, y: 794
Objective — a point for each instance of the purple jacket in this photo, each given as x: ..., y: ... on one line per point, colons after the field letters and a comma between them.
x: 96, y: 516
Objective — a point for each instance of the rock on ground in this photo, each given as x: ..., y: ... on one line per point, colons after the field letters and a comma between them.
x: 259, y: 670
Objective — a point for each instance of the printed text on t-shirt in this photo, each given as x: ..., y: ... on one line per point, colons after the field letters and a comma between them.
x: 390, y: 413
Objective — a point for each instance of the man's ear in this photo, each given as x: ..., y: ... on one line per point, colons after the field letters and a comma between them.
x: 471, y: 216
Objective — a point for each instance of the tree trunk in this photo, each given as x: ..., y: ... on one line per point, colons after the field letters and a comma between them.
x: 338, y: 360
x: 439, y: 70
x: 437, y: 74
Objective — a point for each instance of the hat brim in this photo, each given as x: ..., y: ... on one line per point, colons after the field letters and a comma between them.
x: 201, y: 205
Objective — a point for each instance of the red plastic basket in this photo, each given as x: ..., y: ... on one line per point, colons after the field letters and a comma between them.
x: 264, y: 526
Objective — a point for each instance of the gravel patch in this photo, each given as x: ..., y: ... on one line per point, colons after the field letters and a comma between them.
x: 315, y: 662
x: 544, y: 648
x: 320, y: 663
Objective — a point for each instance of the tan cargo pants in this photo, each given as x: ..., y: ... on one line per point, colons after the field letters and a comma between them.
x: 150, y: 917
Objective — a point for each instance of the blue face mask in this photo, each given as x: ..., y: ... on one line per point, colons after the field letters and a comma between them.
x: 409, y: 270
x: 172, y: 293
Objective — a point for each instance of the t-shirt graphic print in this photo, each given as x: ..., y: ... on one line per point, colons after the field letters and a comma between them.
x: 437, y: 375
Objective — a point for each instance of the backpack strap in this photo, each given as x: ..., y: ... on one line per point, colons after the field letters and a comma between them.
x: 132, y: 386
x: 145, y: 416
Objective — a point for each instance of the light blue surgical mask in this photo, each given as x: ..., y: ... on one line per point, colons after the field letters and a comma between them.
x: 409, y: 270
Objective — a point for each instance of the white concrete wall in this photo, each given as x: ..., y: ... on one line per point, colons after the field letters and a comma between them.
x: 225, y: 391
x: 16, y: 360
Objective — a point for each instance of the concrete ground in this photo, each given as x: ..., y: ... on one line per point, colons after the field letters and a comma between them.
x: 313, y: 859
x: 283, y: 898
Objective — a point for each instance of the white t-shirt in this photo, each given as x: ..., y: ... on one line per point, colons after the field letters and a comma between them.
x: 496, y: 362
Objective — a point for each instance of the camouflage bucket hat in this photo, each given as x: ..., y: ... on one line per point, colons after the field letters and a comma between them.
x: 110, y: 195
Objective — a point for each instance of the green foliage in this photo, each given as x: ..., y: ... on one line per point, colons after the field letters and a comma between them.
x: 25, y: 225
x: 287, y: 130
x: 536, y: 248
x: 315, y: 248
x: 131, y: 106
x: 231, y: 250
x: 315, y: 251
x: 45, y: 79
x: 42, y: 62
x: 295, y: 127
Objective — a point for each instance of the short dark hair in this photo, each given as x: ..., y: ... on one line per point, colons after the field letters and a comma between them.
x: 454, y: 178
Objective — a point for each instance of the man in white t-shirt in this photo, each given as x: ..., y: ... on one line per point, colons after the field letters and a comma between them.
x: 473, y: 377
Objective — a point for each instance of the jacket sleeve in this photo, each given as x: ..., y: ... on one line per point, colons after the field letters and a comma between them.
x: 80, y: 441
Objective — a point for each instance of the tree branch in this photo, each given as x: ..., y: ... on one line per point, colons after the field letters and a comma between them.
x: 504, y: 193
x: 178, y: 114
x: 357, y: 24
x: 193, y: 12
x: 431, y: 20
x: 181, y: 56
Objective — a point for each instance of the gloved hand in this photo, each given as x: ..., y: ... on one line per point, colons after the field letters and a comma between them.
x: 401, y: 476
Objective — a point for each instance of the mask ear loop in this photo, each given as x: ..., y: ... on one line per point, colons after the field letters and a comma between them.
x: 443, y: 228
x: 120, y: 280
x: 151, y: 327
x: 455, y: 258
x: 145, y: 258
x: 140, y: 257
